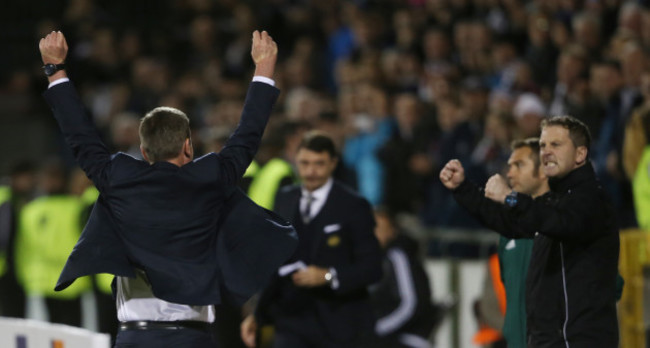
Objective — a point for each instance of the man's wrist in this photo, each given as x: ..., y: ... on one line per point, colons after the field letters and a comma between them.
x: 263, y: 79
x: 57, y: 76
x: 511, y: 199
x: 331, y: 278
x: 265, y: 70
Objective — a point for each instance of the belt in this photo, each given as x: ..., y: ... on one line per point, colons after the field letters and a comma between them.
x: 164, y: 325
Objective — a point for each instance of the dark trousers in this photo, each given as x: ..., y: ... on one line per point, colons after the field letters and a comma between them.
x: 225, y: 329
x: 106, y: 314
x: 306, y: 331
x: 292, y: 340
x: 12, y: 297
x: 66, y: 312
x: 162, y: 338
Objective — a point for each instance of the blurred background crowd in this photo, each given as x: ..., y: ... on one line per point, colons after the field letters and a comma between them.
x: 402, y: 85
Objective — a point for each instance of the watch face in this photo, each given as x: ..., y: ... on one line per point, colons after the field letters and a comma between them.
x: 50, y: 69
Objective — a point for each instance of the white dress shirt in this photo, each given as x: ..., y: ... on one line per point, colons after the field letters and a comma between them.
x: 135, y: 301
x: 319, y: 196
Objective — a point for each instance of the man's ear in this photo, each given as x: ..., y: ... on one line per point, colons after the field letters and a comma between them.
x: 188, y: 150
x: 581, y: 155
x: 144, y: 154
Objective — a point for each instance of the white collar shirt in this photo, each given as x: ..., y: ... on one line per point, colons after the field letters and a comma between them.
x: 319, y: 197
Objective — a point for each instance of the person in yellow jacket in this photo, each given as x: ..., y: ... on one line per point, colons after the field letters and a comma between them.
x: 83, y: 188
x: 13, y: 197
x: 636, y: 161
x: 277, y: 170
x: 48, y: 228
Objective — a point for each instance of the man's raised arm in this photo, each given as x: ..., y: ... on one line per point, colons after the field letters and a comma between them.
x: 79, y: 132
x: 479, y: 203
x: 240, y: 149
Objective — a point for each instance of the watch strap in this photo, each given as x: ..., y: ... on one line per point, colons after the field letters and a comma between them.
x: 50, y: 69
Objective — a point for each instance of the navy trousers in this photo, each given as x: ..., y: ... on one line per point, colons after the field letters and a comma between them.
x: 162, y: 338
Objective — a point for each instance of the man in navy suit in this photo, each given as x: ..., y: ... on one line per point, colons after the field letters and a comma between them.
x: 320, y: 300
x: 155, y: 223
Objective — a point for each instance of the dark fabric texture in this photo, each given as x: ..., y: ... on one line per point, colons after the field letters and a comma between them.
x: 165, y: 219
x: 349, y: 245
x: 571, y: 281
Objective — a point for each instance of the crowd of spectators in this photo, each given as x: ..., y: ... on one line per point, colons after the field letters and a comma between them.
x: 402, y: 85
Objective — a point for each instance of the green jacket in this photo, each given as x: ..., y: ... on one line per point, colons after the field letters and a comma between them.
x: 641, y: 190
x: 514, y: 257
x: 48, y: 229
x: 268, y: 180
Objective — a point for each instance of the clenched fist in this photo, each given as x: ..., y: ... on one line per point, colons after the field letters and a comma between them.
x: 497, y: 188
x: 453, y: 174
x: 264, y: 52
x: 53, y: 48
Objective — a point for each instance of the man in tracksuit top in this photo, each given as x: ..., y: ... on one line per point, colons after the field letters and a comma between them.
x: 570, y: 287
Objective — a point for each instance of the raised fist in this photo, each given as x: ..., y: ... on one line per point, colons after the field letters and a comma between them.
x: 497, y: 188
x: 53, y: 48
x: 264, y: 52
x: 453, y: 174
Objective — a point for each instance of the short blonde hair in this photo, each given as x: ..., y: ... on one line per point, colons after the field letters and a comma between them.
x: 163, y: 131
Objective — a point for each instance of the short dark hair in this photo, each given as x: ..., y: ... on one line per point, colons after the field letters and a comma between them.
x: 162, y: 133
x: 533, y: 145
x: 578, y: 131
x: 318, y: 141
x: 22, y: 167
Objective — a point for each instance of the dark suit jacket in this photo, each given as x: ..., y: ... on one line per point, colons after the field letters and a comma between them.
x: 164, y: 219
x: 343, y: 239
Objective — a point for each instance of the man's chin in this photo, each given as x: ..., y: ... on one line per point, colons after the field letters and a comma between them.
x: 550, y: 171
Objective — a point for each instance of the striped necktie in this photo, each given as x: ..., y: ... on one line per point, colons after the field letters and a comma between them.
x: 306, y: 213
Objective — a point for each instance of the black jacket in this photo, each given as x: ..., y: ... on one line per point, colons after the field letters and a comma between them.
x: 571, y: 283
x: 340, y: 236
x: 402, y: 299
x: 164, y: 219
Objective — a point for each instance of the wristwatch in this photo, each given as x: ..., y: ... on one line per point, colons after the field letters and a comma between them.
x: 50, y: 69
x: 328, y: 277
x: 511, y: 199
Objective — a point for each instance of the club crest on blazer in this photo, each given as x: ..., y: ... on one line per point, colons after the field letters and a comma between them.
x: 333, y: 241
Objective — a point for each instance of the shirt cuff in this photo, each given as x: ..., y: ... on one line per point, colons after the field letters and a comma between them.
x: 335, y: 278
x: 263, y: 79
x: 58, y: 81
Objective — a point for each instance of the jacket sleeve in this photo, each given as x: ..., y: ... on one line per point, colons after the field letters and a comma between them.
x: 408, y: 300
x: 576, y: 216
x: 366, y: 266
x: 79, y: 132
x: 242, y: 145
x: 268, y: 296
x: 493, y: 215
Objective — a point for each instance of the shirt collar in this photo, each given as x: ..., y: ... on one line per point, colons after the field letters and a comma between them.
x: 321, y: 192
